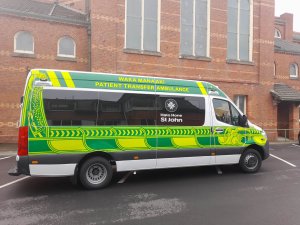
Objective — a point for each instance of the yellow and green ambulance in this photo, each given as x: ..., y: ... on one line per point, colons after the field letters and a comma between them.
x: 89, y: 125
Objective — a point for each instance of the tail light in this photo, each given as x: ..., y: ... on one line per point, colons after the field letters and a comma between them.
x: 23, y: 141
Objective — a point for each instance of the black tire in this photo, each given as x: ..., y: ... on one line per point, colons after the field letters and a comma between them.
x: 95, y: 173
x: 250, y: 161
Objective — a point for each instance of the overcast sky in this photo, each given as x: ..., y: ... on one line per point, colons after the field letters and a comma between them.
x: 290, y: 6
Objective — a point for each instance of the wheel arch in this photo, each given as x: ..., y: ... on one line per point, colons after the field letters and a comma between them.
x: 257, y: 148
x: 105, y: 155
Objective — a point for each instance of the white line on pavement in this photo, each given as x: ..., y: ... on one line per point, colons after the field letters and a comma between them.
x: 276, y: 157
x: 296, y: 145
x: 7, y: 157
x: 15, y: 181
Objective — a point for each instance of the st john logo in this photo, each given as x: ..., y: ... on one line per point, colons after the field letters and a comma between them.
x: 171, y: 105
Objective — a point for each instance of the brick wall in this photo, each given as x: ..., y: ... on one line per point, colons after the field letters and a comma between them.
x: 254, y: 81
x: 108, y: 55
x: 283, y: 61
x: 286, y: 26
x: 13, y: 69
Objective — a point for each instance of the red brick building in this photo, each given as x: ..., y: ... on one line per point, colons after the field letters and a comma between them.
x: 249, y: 78
x: 30, y: 34
x: 286, y: 75
x: 229, y: 43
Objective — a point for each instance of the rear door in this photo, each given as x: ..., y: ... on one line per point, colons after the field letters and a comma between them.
x: 228, y: 136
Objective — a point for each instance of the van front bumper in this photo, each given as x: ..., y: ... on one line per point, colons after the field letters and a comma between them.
x: 22, y: 166
x: 266, y: 150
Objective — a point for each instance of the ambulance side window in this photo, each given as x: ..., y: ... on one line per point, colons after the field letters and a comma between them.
x: 70, y: 108
x: 222, y: 111
x: 235, y: 115
x: 226, y: 112
x: 180, y: 110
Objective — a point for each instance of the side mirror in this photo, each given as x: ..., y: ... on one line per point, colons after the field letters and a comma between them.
x: 243, y: 121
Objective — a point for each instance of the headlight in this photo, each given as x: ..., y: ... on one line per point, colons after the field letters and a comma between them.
x: 263, y: 133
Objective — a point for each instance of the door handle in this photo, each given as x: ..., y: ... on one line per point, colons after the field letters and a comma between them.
x: 219, y: 130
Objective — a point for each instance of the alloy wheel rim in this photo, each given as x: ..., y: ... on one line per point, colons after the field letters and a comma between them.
x: 96, y: 173
x: 251, y: 161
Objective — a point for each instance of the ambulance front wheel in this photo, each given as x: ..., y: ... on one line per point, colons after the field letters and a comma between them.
x: 250, y: 161
x: 95, y: 173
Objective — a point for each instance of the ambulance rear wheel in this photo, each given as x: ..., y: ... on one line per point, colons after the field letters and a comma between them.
x: 95, y: 173
x: 250, y: 161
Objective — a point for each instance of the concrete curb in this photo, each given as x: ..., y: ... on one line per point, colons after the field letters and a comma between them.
x: 8, y: 149
x: 8, y: 153
x: 282, y: 143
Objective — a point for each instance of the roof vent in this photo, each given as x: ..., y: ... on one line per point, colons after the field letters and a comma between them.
x: 213, y: 92
x: 42, y: 83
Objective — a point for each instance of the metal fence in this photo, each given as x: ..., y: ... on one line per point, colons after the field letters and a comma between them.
x: 283, y: 135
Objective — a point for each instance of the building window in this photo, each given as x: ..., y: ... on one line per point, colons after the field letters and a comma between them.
x: 240, y: 30
x: 142, y: 25
x: 240, y: 102
x: 277, y: 33
x: 195, y: 27
x: 23, y: 42
x: 66, y: 47
x: 293, y: 70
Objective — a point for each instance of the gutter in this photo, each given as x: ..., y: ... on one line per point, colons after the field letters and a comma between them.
x: 286, y: 52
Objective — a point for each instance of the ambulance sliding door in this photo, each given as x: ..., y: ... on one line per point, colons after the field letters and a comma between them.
x: 183, y: 131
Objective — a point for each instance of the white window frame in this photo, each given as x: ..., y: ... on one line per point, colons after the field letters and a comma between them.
x: 277, y: 33
x: 237, y: 102
x: 63, y: 55
x: 15, y: 43
x: 194, y: 29
x: 250, y: 32
x: 142, y: 29
x: 297, y: 70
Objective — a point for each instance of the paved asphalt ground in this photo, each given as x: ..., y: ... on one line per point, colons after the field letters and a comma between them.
x: 176, y: 196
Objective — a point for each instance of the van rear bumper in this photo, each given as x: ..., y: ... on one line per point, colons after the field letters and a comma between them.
x: 22, y: 166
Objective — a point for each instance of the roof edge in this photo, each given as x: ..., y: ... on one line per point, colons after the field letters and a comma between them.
x: 72, y: 9
x: 279, y: 21
x: 286, y: 52
x: 42, y: 17
x: 280, y: 95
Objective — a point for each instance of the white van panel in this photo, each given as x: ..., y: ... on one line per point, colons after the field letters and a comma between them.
x: 183, y: 162
x: 144, y: 164
x: 130, y: 165
x: 227, y: 159
x: 54, y: 170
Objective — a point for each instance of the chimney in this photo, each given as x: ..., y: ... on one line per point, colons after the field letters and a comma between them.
x: 288, y: 27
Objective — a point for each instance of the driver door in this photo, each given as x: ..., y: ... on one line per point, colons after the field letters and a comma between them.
x: 228, y: 135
